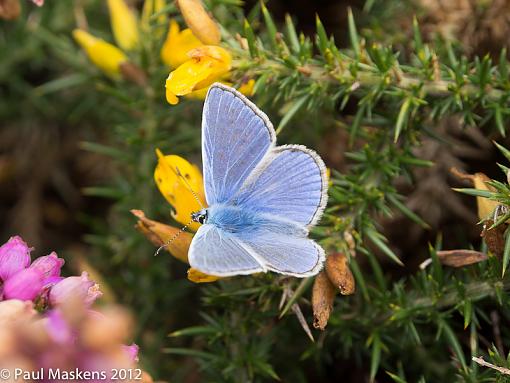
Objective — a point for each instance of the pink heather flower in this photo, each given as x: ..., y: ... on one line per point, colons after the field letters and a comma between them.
x: 58, y: 328
x: 75, y: 288
x: 48, y: 265
x: 25, y: 285
x: 51, y: 281
x: 132, y: 352
x: 14, y: 256
x: 39, y: 3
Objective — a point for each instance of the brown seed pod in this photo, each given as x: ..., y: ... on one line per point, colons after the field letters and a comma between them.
x: 338, y: 272
x: 460, y: 258
x: 494, y: 238
x: 133, y: 73
x: 323, y: 295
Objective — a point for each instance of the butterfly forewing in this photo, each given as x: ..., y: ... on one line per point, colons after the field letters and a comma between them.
x: 289, y: 183
x: 235, y: 137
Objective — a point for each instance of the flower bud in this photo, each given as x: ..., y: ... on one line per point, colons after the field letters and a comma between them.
x: 48, y: 265
x: 25, y: 285
x: 124, y: 24
x: 105, y: 56
x: 75, y: 287
x: 159, y: 234
x: 323, y: 295
x: 199, y: 21
x: 14, y: 256
x: 338, y: 272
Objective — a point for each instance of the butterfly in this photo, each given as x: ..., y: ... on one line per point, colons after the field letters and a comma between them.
x: 262, y: 198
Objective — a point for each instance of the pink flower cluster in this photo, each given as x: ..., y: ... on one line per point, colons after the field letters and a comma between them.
x: 46, y: 320
x: 40, y: 281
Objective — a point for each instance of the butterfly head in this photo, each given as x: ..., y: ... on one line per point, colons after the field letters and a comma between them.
x: 200, y: 216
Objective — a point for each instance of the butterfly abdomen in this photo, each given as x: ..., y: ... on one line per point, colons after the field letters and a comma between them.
x: 234, y: 219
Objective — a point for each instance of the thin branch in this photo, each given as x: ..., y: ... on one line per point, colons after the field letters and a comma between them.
x: 481, y: 362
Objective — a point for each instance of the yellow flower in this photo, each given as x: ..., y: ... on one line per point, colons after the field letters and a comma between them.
x: 197, y: 18
x: 176, y: 190
x: 207, y: 64
x: 197, y: 276
x: 246, y: 89
x: 105, y: 56
x: 485, y: 206
x: 124, y: 24
x: 177, y: 45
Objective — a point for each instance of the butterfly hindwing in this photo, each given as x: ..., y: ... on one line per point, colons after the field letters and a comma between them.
x: 216, y: 252
x: 285, y: 254
x: 290, y: 183
x: 235, y: 137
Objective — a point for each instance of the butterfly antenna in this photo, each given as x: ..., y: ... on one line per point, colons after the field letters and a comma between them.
x: 175, y: 236
x: 178, y: 172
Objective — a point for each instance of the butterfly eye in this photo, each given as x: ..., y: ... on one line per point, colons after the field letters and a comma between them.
x: 199, y: 217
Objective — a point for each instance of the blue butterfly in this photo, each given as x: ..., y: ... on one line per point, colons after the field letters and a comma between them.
x: 262, y: 198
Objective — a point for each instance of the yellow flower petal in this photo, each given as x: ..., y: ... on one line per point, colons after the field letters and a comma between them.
x: 207, y: 65
x: 199, y: 21
x: 197, y: 276
x: 105, y: 56
x: 486, y: 206
x: 177, y: 191
x: 171, y: 98
x: 124, y: 24
x: 198, y: 94
x: 177, y: 45
x: 247, y: 87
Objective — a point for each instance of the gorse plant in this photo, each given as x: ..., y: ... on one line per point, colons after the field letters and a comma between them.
x: 404, y: 313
